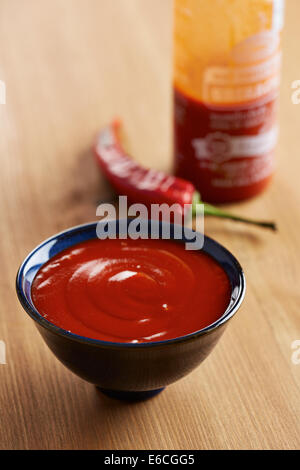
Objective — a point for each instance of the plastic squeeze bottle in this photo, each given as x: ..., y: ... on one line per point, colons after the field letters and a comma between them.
x: 226, y: 83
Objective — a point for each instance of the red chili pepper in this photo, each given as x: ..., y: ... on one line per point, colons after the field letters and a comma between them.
x: 141, y: 185
x: 149, y: 186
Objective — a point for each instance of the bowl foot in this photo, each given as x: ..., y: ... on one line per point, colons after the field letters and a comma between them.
x: 130, y: 396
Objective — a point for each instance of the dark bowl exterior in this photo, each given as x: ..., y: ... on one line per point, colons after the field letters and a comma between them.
x: 131, y: 369
x: 121, y: 366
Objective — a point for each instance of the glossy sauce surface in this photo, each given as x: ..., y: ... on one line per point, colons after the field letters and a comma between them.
x: 131, y: 290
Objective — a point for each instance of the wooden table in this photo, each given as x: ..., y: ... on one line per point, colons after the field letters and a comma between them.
x: 69, y: 67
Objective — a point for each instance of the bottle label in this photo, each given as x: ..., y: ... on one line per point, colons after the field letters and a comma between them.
x: 225, y: 147
x: 252, y: 71
x: 219, y: 147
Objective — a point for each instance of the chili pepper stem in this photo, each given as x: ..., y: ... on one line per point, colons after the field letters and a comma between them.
x: 216, y: 212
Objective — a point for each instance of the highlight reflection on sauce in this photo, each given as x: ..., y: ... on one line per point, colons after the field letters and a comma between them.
x: 131, y: 290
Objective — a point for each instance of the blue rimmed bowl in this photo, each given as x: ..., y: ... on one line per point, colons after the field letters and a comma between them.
x: 125, y: 370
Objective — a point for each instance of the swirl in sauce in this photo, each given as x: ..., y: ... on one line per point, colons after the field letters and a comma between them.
x: 131, y: 290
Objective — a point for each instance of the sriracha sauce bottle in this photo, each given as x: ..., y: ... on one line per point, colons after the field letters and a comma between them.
x: 226, y: 82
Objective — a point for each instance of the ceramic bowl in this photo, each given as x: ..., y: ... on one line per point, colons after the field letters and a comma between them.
x: 124, y: 370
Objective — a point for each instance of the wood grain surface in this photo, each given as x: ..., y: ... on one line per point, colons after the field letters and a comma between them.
x: 69, y: 67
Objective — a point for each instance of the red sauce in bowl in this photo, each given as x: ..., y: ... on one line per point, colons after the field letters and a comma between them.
x: 131, y: 291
